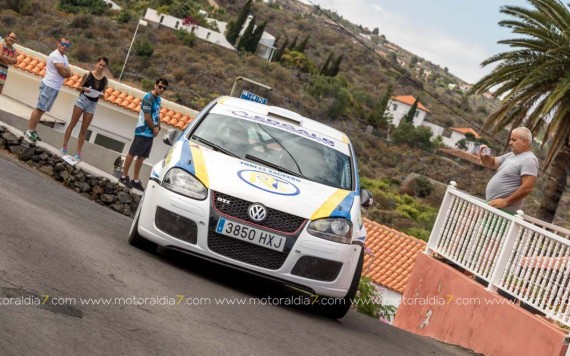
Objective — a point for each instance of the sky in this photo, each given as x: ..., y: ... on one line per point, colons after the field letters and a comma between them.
x: 457, y: 34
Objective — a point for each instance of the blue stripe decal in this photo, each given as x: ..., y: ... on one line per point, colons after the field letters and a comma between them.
x: 186, y: 162
x: 343, y: 209
x: 154, y: 174
x: 220, y: 225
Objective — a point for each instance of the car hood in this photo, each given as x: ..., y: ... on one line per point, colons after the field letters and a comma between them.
x: 257, y: 183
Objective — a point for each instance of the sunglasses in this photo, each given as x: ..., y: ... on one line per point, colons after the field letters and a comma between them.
x: 162, y: 87
x: 12, y: 38
x: 65, y: 44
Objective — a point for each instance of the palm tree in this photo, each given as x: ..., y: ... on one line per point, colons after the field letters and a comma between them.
x: 533, y: 82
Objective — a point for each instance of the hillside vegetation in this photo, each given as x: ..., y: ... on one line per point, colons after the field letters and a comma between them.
x: 199, y: 71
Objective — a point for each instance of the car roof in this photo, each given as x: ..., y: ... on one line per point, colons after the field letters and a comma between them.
x: 285, y: 116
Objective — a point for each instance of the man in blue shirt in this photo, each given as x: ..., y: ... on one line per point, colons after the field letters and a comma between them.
x: 148, y: 126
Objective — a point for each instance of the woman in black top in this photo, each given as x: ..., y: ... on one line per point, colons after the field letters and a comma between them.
x: 92, y: 86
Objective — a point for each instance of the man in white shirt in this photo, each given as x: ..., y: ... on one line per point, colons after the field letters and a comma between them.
x: 57, y: 69
x: 516, y: 172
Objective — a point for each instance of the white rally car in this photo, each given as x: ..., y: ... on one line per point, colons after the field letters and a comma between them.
x: 264, y: 190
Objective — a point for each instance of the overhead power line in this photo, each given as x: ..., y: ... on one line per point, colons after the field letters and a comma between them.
x: 411, y: 80
x: 404, y: 74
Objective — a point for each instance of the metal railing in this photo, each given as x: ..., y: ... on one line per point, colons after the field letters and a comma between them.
x: 525, y: 257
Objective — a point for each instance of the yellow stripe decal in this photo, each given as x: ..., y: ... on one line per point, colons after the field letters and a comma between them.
x: 332, y: 202
x: 200, y: 165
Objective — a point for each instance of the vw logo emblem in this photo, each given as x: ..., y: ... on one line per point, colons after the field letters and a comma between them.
x: 257, y: 212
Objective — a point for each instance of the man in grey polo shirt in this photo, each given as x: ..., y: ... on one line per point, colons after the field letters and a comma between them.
x: 516, y: 172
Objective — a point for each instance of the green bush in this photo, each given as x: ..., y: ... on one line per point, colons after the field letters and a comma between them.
x: 94, y: 7
x: 299, y: 61
x: 143, y: 48
x: 124, y: 16
x: 416, y: 137
x: 368, y: 303
x: 186, y: 37
x: 400, y: 211
x: 421, y: 187
x: 82, y: 21
x: 418, y: 233
x: 23, y: 7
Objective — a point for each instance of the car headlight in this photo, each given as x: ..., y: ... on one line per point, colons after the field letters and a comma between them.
x: 333, y: 229
x: 184, y: 183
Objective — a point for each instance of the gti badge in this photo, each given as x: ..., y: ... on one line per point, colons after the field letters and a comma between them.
x: 257, y: 212
x: 222, y: 200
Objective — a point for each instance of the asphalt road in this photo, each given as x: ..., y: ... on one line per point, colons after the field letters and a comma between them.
x: 61, y: 253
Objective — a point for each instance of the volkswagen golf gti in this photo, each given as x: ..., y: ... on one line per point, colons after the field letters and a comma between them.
x: 264, y: 190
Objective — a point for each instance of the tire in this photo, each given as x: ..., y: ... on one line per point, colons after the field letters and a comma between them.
x: 339, y: 309
x: 135, y: 238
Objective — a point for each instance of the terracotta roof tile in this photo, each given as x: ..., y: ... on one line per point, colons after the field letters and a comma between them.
x: 409, y: 99
x: 127, y: 101
x: 394, y: 254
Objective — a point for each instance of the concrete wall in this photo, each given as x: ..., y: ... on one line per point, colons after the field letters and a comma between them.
x: 436, y: 130
x: 453, y: 139
x: 442, y: 303
x: 110, y: 120
x: 21, y: 91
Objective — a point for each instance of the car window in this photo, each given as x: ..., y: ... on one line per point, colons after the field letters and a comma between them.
x: 308, y: 158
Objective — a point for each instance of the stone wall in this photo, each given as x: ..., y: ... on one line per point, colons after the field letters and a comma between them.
x: 101, y: 190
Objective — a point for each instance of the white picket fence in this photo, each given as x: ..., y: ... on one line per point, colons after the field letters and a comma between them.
x: 527, y: 258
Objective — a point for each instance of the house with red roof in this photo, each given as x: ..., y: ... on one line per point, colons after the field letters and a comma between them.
x: 460, y: 133
x: 399, y: 106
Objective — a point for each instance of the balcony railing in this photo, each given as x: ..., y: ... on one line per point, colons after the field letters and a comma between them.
x: 525, y: 257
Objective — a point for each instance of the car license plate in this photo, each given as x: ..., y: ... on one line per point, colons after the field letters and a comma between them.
x: 250, y: 234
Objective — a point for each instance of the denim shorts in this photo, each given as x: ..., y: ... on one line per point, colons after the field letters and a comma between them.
x: 47, y: 97
x: 85, y: 104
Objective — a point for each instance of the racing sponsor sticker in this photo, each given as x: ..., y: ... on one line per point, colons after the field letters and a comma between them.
x: 268, y: 182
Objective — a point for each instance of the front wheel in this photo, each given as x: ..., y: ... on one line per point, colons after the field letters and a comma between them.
x: 341, y: 306
x: 135, y: 238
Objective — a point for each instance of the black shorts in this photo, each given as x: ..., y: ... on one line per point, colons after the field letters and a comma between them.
x: 141, y: 146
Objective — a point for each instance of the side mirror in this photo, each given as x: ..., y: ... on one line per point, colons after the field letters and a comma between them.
x: 171, y: 136
x: 366, y: 199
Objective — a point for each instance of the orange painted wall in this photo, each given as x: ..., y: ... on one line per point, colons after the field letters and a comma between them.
x: 443, y: 303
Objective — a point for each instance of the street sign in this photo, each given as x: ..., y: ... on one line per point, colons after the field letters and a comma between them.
x: 252, y: 97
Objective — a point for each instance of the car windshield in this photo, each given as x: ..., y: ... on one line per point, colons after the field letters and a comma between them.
x: 280, y: 149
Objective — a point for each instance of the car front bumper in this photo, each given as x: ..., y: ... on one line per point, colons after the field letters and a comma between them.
x: 310, y: 264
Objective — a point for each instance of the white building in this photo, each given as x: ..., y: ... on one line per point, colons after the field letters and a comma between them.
x: 399, y: 106
x: 265, y: 48
x: 436, y: 130
x: 458, y: 134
